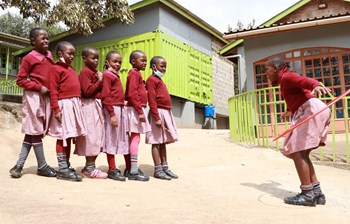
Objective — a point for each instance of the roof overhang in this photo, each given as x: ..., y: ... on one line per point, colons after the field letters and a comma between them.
x: 286, y: 27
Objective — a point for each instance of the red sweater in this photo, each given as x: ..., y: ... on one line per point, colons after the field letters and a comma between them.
x: 34, y: 71
x: 91, y: 87
x: 135, y: 92
x: 158, y: 95
x: 112, y: 91
x: 64, y: 84
x: 295, y: 89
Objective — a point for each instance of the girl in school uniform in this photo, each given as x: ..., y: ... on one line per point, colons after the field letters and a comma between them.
x: 117, y: 139
x: 92, y: 144
x: 161, y: 119
x: 67, y: 121
x: 33, y: 76
x: 300, y: 95
x: 136, y: 96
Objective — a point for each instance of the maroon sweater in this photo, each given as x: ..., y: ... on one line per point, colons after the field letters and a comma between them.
x: 91, y: 87
x: 34, y: 71
x: 158, y: 95
x: 295, y: 89
x: 135, y: 92
x: 64, y: 84
x: 112, y: 91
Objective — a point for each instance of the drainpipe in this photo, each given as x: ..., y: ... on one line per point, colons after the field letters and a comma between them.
x: 239, y: 68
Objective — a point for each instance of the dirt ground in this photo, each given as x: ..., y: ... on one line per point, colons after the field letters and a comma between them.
x: 220, y: 182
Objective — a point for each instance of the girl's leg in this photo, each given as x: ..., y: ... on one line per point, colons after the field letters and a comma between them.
x: 68, y: 149
x: 134, y: 149
x: 16, y: 171
x: 163, y: 157
x: 158, y: 162
x: 26, y: 146
x: 113, y: 172
x: 307, y: 197
x: 111, y: 162
x: 90, y: 163
x: 65, y: 173
x: 320, y: 197
x: 135, y: 173
x: 43, y: 168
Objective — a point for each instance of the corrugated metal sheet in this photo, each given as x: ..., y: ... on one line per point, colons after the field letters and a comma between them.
x: 189, y: 71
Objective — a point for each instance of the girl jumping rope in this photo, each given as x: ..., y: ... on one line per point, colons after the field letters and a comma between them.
x: 136, y: 96
x: 68, y: 121
x: 117, y: 138
x: 92, y: 144
x: 300, y: 95
x: 161, y: 119
x: 33, y: 76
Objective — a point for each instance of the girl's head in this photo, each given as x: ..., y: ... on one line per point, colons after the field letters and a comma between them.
x: 138, y: 60
x: 273, y: 67
x: 158, y: 66
x: 113, y: 61
x: 90, y: 57
x: 39, y: 38
x: 65, y: 52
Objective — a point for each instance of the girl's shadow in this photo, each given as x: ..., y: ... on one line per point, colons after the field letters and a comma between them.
x: 271, y: 188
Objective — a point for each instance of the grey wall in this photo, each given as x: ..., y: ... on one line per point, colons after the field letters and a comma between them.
x: 181, y: 29
x: 263, y: 46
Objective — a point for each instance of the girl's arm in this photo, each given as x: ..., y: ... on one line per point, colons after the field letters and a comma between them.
x: 55, y: 78
x: 89, y: 88
x: 133, y: 94
x: 106, y: 95
x: 151, y: 87
x: 22, y: 77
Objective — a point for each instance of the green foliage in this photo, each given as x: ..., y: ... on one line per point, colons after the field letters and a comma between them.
x: 15, y: 25
x: 79, y: 16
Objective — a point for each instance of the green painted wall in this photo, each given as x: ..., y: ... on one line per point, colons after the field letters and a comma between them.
x: 189, y: 71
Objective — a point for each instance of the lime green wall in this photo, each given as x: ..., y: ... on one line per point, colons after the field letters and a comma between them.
x: 189, y: 71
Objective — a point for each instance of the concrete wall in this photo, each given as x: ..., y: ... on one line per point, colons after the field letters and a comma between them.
x: 186, y: 32
x: 146, y: 20
x: 186, y: 114
x: 311, y: 10
x: 261, y: 47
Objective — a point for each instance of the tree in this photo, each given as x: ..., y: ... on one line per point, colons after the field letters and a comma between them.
x: 15, y: 25
x: 240, y: 26
x: 79, y: 16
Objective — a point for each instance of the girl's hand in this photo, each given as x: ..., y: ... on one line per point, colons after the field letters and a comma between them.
x: 99, y: 76
x: 159, y: 123
x: 142, y: 118
x: 58, y: 116
x: 286, y: 115
x: 320, y: 90
x: 44, y: 90
x: 114, y: 121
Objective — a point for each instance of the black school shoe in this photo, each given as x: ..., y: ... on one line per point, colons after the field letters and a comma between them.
x: 161, y: 175
x: 140, y: 176
x: 69, y: 175
x: 115, y: 175
x: 171, y: 174
x: 320, y: 199
x: 16, y: 171
x: 301, y: 199
x: 47, y: 171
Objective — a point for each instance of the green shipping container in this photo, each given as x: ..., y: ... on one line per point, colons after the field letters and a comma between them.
x: 189, y: 71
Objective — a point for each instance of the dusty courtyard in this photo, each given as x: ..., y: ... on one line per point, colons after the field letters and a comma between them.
x: 220, y: 182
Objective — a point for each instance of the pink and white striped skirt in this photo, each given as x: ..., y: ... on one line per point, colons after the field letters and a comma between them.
x: 133, y: 123
x: 36, y: 113
x: 167, y: 134
x: 72, y: 125
x: 93, y: 143
x: 312, y: 134
x: 117, y: 138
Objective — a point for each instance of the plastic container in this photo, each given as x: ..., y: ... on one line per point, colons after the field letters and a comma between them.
x: 209, y: 111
